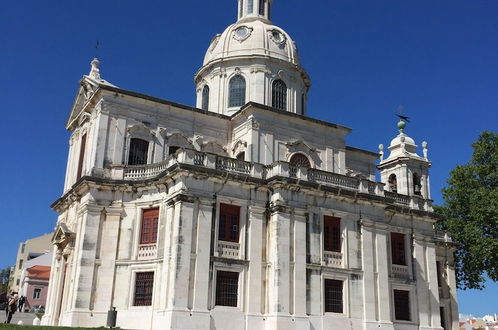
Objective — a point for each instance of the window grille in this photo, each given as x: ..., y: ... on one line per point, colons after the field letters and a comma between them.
x: 228, y: 226
x: 237, y: 94
x: 138, y: 152
x: 144, y: 283
x: 150, y: 220
x: 402, y: 305
x: 333, y: 296
x: 332, y: 234
x: 279, y: 95
x: 82, y: 156
x: 299, y: 160
x: 205, y: 98
x: 227, y: 286
x: 398, y: 252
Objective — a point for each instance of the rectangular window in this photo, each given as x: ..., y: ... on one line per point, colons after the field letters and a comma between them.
x: 402, y: 305
x: 23, y: 246
x: 138, y: 152
x: 150, y: 221
x: 37, y: 293
x: 81, y: 157
x: 439, y: 274
x: 332, y: 234
x: 20, y: 263
x: 227, y: 287
x: 333, y: 296
x: 144, y: 283
x: 172, y: 150
x: 228, y: 226
x: 398, y: 252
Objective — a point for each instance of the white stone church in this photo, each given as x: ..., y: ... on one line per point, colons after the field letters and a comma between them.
x: 242, y: 212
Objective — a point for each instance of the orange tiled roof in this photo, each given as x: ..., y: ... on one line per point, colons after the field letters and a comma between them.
x: 40, y: 272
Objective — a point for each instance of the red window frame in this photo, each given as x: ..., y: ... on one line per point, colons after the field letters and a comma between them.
x: 229, y: 223
x: 402, y: 305
x: 149, y: 225
x: 227, y: 288
x: 144, y: 285
x: 398, y: 251
x: 331, y: 234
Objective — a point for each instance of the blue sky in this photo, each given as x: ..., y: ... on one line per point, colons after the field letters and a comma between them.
x: 365, y: 58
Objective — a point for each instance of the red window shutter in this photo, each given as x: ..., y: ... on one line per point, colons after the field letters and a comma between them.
x: 398, y: 252
x: 229, y: 223
x: 81, y: 157
x: 332, y: 234
x: 150, y: 220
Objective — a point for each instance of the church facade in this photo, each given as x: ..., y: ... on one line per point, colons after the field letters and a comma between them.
x: 242, y: 212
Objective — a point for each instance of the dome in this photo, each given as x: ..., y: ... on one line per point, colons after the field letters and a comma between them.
x: 252, y: 37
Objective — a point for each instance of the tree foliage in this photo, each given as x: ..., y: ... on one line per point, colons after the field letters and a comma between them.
x: 4, y: 278
x: 470, y: 214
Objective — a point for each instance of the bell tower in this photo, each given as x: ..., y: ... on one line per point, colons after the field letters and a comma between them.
x: 404, y: 171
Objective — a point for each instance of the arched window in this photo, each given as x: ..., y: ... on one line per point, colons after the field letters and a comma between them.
x: 241, y: 156
x: 416, y: 184
x: 262, y: 7
x: 205, y: 98
x: 279, y: 95
x: 237, y: 91
x: 393, y: 183
x: 138, y: 152
x: 299, y: 160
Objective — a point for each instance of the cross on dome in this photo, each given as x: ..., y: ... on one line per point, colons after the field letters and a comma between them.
x: 254, y: 9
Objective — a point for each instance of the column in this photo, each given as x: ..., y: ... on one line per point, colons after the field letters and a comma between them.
x: 85, y: 253
x: 435, y: 316
x: 279, y: 272
x: 203, y: 248
x: 180, y: 253
x: 369, y: 278
x: 51, y: 303
x: 108, y: 253
x: 253, y: 141
x: 300, y: 270
x: 420, y: 271
x: 383, y: 266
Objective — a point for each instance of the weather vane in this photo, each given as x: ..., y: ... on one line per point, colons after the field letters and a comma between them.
x: 97, y: 44
x: 401, y: 116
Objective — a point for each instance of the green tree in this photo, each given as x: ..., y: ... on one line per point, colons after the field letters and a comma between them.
x: 470, y: 214
x: 4, y: 278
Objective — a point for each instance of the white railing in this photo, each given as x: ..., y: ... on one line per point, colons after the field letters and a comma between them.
x: 332, y: 259
x: 199, y: 159
x: 228, y: 249
x: 233, y: 165
x: 398, y: 198
x: 333, y: 178
x: 143, y: 172
x: 399, y: 271
x: 147, y: 251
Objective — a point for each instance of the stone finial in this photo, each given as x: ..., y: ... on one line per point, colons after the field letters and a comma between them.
x: 381, y: 152
x: 425, y: 151
x: 95, y: 72
x: 401, y: 126
x: 403, y: 143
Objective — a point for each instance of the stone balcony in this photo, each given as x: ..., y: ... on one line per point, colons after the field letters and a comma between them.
x: 228, y: 250
x: 332, y: 259
x: 147, y: 251
x: 400, y: 271
x: 276, y: 170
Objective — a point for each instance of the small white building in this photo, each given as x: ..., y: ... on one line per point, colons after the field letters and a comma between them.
x: 242, y: 213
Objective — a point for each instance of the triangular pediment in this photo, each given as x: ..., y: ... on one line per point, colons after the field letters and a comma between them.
x: 85, y: 92
x: 62, y: 236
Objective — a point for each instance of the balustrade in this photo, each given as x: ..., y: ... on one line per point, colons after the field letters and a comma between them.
x: 399, y: 271
x: 228, y: 249
x: 147, y: 251
x: 332, y: 259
